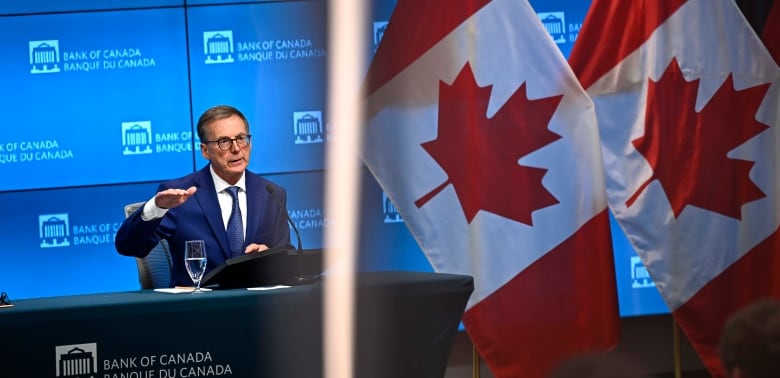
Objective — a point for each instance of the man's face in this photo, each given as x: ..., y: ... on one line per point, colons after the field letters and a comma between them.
x: 230, y: 164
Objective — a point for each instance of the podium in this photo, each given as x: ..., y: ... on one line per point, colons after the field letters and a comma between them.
x: 275, y: 266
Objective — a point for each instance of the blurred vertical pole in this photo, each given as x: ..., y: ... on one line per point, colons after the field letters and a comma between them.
x: 476, y: 365
x: 676, y: 349
x: 346, y: 31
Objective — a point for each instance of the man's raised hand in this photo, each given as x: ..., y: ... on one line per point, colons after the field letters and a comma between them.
x: 170, y: 198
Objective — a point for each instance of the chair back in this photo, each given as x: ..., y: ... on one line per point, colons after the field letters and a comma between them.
x: 154, y: 270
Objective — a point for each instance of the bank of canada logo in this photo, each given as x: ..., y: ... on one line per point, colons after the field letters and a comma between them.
x: 45, y: 56
x: 390, y: 212
x: 640, y: 278
x: 53, y: 230
x: 308, y: 127
x: 218, y: 46
x: 78, y: 360
x: 379, y: 32
x: 137, y: 137
x: 555, y: 23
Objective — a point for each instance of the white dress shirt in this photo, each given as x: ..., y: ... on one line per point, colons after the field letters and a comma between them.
x: 151, y: 211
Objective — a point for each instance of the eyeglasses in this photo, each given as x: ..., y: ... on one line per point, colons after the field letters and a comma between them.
x: 4, y: 300
x: 225, y: 144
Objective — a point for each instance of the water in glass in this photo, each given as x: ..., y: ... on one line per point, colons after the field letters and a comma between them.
x: 195, y: 261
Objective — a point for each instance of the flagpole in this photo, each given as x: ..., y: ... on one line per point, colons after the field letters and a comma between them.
x: 475, y: 362
x: 676, y: 349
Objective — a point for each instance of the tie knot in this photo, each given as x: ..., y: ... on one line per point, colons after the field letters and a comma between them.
x: 233, y: 191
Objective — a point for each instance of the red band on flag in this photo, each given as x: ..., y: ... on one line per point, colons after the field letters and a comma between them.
x: 524, y: 328
x: 415, y: 27
x: 605, y: 18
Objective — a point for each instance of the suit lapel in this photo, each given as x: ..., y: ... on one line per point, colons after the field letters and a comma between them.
x: 209, y: 205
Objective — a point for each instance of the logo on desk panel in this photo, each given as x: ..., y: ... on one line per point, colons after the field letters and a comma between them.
x: 218, y: 46
x: 54, y: 230
x: 78, y: 360
x: 45, y: 56
x: 137, y: 137
x: 555, y: 23
x: 640, y: 278
x: 308, y: 127
x: 391, y: 214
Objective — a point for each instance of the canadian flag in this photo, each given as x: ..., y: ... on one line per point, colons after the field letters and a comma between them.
x: 487, y: 145
x: 687, y: 101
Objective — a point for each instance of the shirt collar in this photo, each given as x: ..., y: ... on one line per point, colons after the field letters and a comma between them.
x: 220, y: 184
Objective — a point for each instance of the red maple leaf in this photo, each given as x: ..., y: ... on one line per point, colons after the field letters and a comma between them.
x: 480, y: 155
x: 687, y: 150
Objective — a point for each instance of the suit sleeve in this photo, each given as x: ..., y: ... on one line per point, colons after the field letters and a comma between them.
x: 137, y: 237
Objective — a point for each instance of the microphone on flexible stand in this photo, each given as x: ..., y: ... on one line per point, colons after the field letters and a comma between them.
x: 302, y: 278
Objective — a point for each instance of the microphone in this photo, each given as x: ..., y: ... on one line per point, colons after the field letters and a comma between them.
x: 301, y: 278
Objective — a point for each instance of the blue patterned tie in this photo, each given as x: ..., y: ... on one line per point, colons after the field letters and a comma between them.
x: 235, y: 226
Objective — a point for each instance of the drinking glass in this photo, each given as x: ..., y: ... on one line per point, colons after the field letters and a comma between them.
x: 195, y: 261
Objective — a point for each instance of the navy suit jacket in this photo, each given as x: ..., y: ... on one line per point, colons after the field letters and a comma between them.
x: 200, y: 218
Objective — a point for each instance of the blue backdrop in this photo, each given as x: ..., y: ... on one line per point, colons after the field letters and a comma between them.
x: 100, y: 100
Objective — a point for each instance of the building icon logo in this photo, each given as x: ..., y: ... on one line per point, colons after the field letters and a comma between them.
x: 54, y: 230
x: 379, y: 32
x: 555, y: 23
x: 218, y: 46
x: 137, y: 137
x: 307, y: 127
x: 391, y: 214
x: 44, y: 56
x: 640, y: 278
x: 78, y: 360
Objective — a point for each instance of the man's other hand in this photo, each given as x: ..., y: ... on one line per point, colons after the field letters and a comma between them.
x: 254, y: 248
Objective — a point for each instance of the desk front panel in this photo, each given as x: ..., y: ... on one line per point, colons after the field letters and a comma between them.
x: 406, y: 326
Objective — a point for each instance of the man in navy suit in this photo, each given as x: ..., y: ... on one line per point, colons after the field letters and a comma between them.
x: 199, y: 206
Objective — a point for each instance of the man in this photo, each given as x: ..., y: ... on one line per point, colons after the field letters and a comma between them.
x: 200, y: 206
x: 750, y: 341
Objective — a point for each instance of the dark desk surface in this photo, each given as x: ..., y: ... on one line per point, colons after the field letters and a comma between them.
x: 406, y: 324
